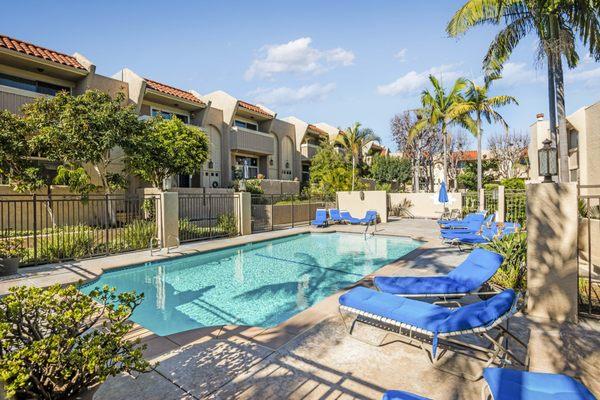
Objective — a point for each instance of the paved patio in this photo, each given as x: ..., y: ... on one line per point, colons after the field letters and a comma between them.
x: 310, y: 356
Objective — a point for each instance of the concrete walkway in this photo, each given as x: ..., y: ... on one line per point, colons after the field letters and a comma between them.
x: 310, y: 356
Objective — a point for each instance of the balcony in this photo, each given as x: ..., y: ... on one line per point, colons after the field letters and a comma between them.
x: 247, y: 140
x: 308, y: 150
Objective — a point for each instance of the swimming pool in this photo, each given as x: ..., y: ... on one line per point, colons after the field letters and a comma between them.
x: 258, y: 284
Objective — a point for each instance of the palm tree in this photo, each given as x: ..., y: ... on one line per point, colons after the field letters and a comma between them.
x: 556, y: 24
x: 481, y: 106
x: 353, y: 139
x: 439, y: 110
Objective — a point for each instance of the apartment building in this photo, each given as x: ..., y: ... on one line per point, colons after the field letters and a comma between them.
x: 28, y: 71
x: 246, y: 140
x: 308, y: 139
x: 583, y: 130
x: 258, y: 143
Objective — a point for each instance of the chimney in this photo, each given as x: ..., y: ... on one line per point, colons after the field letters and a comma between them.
x: 539, y: 116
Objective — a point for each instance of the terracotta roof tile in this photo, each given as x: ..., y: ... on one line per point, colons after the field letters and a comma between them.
x: 254, y: 108
x: 173, y: 91
x: 38, y: 51
x: 317, y: 129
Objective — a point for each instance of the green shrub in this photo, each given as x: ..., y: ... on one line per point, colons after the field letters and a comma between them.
x: 137, y: 234
x: 187, y: 229
x: 513, y: 183
x: 48, y: 348
x: 67, y: 245
x: 402, y: 209
x: 387, y: 187
x: 10, y: 248
x: 513, y: 271
x: 227, y: 223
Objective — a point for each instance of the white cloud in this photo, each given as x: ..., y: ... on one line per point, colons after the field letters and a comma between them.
x: 518, y: 74
x: 286, y: 95
x: 589, y: 76
x: 413, y: 81
x: 296, y: 56
x: 401, y: 55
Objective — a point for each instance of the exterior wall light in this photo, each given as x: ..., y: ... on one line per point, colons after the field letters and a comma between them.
x: 287, y: 165
x: 211, y: 164
x: 271, y: 162
x: 548, y: 161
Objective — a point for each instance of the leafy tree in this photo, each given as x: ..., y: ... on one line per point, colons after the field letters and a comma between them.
x: 468, y: 177
x: 513, y: 183
x: 90, y: 128
x: 166, y: 148
x: 440, y: 111
x: 391, y: 169
x: 482, y: 106
x: 329, y: 172
x: 509, y: 148
x: 353, y: 140
x: 15, y: 152
x: 556, y: 24
x: 55, y: 342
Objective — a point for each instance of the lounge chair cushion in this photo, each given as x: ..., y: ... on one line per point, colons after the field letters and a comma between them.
x: 426, y: 316
x: 412, y: 285
x: 401, y: 395
x: 467, y: 277
x: 510, y: 384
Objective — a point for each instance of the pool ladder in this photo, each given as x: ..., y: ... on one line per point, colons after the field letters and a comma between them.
x: 374, y: 223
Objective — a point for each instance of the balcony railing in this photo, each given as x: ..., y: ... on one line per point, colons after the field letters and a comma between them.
x: 252, y: 141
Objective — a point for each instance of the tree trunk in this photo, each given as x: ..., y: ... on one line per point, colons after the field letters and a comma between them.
x: 563, y: 144
x: 418, y: 170
x: 445, y: 143
x: 353, y: 167
x: 479, y: 160
x: 552, y: 99
x: 431, y: 174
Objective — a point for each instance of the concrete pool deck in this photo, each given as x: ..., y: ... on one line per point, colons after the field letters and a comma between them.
x: 310, y: 356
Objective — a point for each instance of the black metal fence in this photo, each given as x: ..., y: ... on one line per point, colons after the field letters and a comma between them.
x: 63, y: 227
x: 282, y: 211
x: 207, y: 216
x: 588, y: 250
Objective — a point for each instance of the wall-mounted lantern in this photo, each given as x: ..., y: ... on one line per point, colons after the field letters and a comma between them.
x: 211, y: 164
x: 271, y: 162
x: 548, y: 161
x: 287, y: 165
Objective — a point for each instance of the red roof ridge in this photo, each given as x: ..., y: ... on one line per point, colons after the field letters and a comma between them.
x: 34, y: 50
x: 172, y: 90
x: 254, y: 108
x: 317, y: 129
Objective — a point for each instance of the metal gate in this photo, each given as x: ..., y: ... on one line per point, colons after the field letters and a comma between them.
x: 207, y: 216
x: 588, y: 250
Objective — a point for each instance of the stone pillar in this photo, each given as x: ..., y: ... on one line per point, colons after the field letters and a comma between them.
x: 168, y: 221
x: 481, y: 200
x: 552, y: 222
x: 244, y: 213
x: 501, y: 205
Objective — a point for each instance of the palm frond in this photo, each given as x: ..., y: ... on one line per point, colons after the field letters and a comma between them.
x: 504, y: 43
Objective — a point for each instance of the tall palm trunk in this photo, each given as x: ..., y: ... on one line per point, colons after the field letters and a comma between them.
x: 353, y: 167
x: 445, y: 144
x: 552, y: 98
x: 479, y: 161
x: 563, y: 145
x: 417, y: 171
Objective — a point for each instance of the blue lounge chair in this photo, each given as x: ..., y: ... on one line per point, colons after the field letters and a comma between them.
x: 334, y: 215
x: 370, y: 216
x: 401, y: 395
x: 472, y: 226
x: 478, y: 216
x: 466, y: 278
x: 349, y: 218
x: 486, y: 236
x: 320, y: 218
x: 431, y: 325
x: 511, y: 384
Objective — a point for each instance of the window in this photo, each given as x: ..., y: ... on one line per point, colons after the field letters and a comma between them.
x: 168, y: 115
x: 247, y: 125
x: 31, y: 85
x: 245, y: 167
x: 573, y: 140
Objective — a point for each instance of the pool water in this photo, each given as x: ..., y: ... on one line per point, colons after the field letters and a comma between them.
x: 259, y: 284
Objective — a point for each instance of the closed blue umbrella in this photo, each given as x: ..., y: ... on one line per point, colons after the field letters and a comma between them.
x: 443, y: 195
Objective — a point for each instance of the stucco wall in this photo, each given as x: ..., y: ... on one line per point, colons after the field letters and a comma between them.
x: 425, y: 205
x: 357, y: 206
x: 275, y: 186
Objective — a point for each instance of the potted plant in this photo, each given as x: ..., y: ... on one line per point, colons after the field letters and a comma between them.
x: 11, y: 252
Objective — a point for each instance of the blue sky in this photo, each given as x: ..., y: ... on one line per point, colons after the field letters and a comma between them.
x: 334, y: 61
